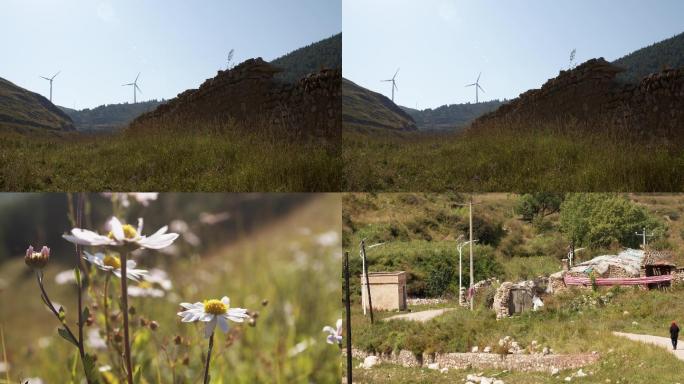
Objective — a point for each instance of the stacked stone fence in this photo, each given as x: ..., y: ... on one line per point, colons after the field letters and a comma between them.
x: 591, y: 94
x: 512, y: 362
x: 249, y: 94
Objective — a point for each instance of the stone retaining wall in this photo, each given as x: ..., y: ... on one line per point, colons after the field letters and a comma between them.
x: 590, y: 93
x: 517, y: 362
x: 249, y: 93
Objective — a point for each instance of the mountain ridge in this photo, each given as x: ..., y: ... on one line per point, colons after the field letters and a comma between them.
x: 24, y: 111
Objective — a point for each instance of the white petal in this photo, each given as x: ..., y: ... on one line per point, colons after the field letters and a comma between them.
x: 223, y: 323
x: 209, y: 328
x: 338, y: 324
x: 187, y: 305
x: 207, y: 317
x: 225, y: 300
x: 158, y: 241
x: 329, y: 329
x: 140, y: 225
x: 116, y: 228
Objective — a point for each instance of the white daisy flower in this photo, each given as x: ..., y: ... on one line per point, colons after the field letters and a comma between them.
x: 111, y: 263
x: 122, y: 235
x: 144, y: 198
x: 334, y: 334
x: 159, y: 277
x: 65, y: 277
x: 213, y: 312
x: 145, y: 289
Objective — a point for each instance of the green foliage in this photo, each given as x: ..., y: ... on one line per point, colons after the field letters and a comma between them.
x: 600, y: 220
x: 486, y: 231
x: 451, y: 117
x: 109, y: 118
x: 326, y: 53
x: 539, y: 204
x: 668, y: 53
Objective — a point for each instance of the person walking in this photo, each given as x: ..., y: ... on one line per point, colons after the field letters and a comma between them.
x: 674, y: 334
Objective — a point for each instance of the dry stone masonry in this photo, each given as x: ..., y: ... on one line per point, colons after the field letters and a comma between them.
x: 591, y: 94
x: 249, y: 93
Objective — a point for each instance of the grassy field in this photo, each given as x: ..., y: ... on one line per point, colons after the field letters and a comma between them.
x: 207, y: 158
x: 285, y: 263
x: 562, y: 326
x: 550, y: 158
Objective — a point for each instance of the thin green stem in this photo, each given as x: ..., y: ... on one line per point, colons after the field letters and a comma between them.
x: 206, y: 366
x: 124, y: 305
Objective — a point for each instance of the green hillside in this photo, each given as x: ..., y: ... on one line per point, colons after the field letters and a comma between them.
x: 365, y: 110
x: 668, y: 53
x: 419, y: 232
x: 326, y: 54
x: 108, y: 118
x: 24, y: 111
x: 452, y: 116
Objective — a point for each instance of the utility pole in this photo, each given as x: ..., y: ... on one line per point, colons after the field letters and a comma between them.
x: 365, y: 273
x: 348, y: 309
x: 470, y: 239
x: 643, y: 235
x: 460, y: 271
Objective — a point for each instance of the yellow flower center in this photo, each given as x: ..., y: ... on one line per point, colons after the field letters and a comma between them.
x: 128, y: 230
x: 145, y: 284
x: 215, y: 307
x: 112, y: 261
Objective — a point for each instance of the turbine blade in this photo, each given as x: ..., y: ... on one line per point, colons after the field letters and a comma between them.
x: 478, y: 77
x: 136, y: 78
x: 395, y: 73
x: 480, y: 88
x: 138, y: 88
x: 58, y: 72
x: 470, y: 85
x: 395, y: 86
x: 45, y: 78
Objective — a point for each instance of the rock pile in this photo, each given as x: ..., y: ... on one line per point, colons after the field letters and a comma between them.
x: 590, y: 93
x: 248, y: 93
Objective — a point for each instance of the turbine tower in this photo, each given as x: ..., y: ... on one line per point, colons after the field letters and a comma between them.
x: 135, y: 88
x: 50, y: 80
x: 476, y: 84
x: 394, y: 83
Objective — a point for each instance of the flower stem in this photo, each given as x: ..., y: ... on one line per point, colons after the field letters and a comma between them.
x: 124, y: 304
x: 206, y: 366
x: 105, y: 308
x: 48, y: 303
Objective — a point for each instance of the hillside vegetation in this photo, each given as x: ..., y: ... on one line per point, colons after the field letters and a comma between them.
x: 24, y: 111
x: 366, y: 111
x: 324, y: 54
x: 419, y: 233
x: 108, y: 118
x: 450, y: 117
x: 668, y: 53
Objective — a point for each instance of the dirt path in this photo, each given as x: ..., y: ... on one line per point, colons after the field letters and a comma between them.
x: 421, y: 316
x: 663, y: 342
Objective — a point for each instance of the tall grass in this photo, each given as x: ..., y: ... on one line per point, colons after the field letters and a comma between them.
x: 209, y: 157
x: 284, y: 264
x: 564, y: 329
x: 563, y: 156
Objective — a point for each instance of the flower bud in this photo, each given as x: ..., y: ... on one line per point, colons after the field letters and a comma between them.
x: 37, y: 260
x: 154, y: 325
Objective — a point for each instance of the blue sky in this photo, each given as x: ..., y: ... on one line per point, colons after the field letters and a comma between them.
x: 100, y: 44
x: 441, y: 45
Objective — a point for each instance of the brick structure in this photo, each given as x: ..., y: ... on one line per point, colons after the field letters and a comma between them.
x: 657, y: 263
x: 590, y: 94
x: 388, y: 290
x: 248, y: 93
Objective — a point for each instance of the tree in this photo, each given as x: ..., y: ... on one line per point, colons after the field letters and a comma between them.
x: 598, y: 220
x: 542, y: 204
x: 229, y: 61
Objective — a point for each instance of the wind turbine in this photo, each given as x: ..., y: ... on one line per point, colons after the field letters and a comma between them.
x: 50, y: 80
x: 135, y: 87
x: 394, y: 83
x: 476, y: 84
